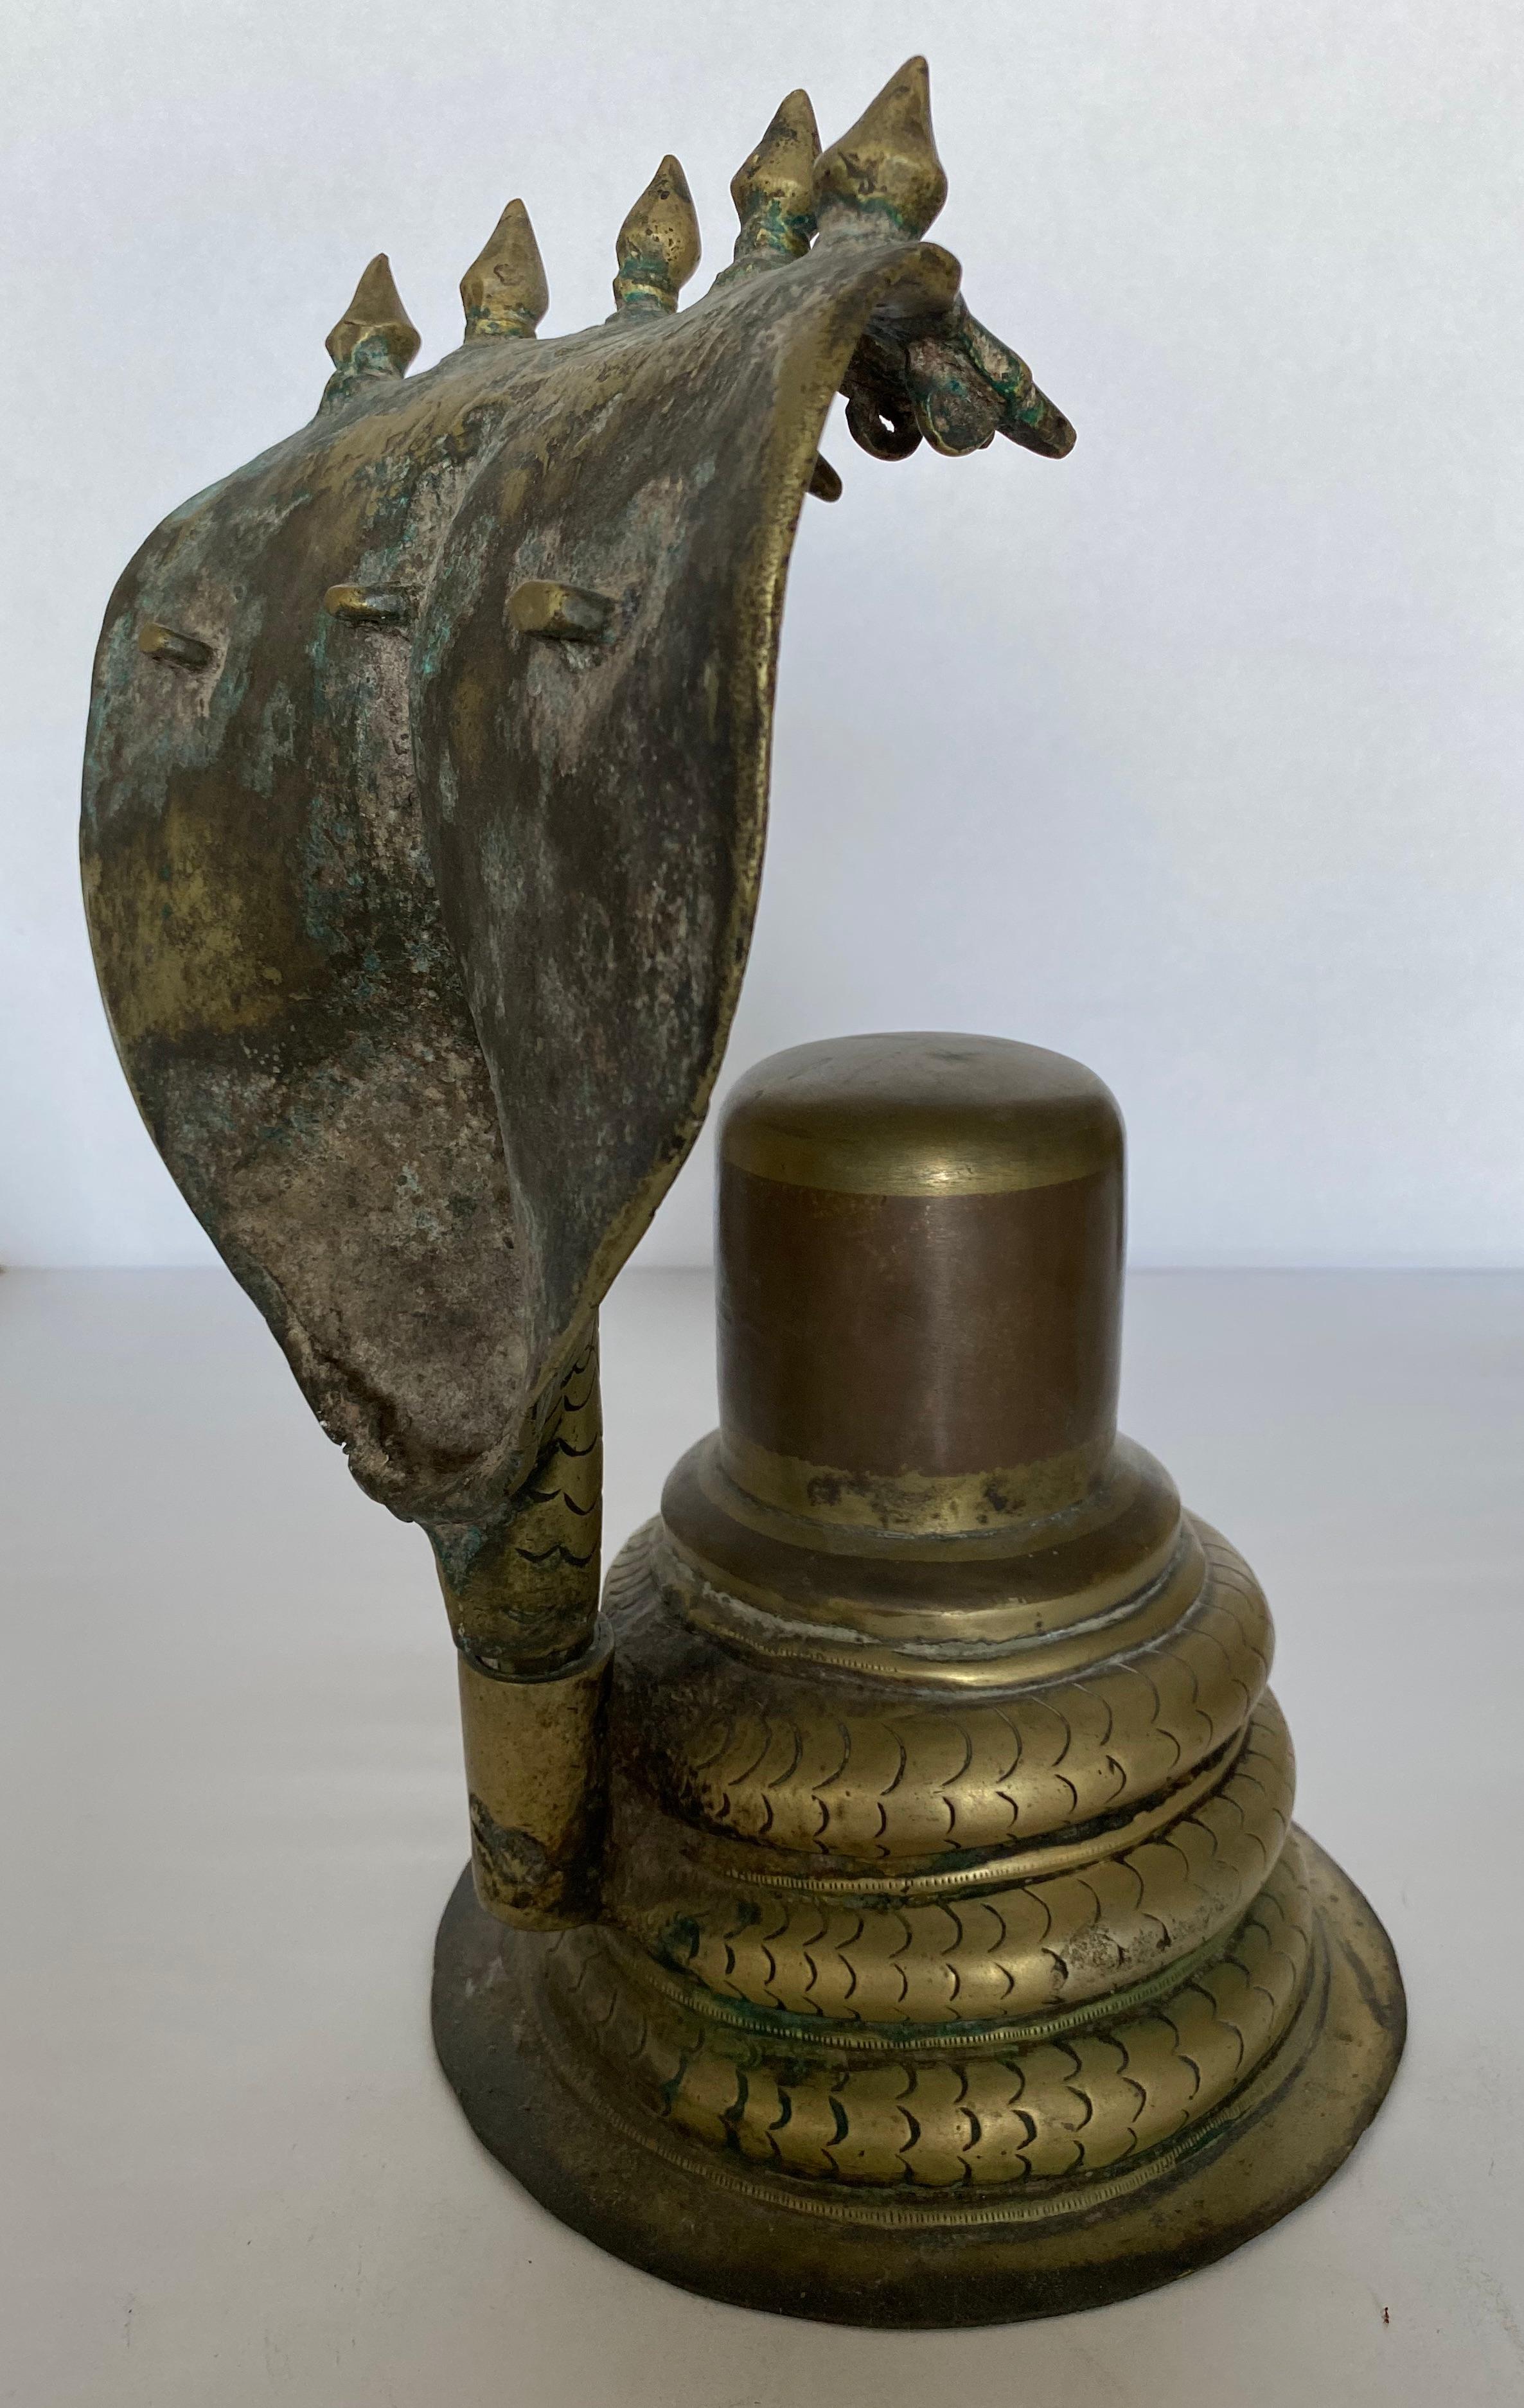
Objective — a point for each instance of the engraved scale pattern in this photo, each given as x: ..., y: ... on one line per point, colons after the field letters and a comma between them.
x: 835, y: 1767
x: 1006, y: 1951
x: 560, y: 1504
x: 947, y: 2115
x: 949, y: 2027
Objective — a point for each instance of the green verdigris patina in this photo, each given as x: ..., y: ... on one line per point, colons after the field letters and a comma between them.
x: 425, y: 805
x: 886, y: 1907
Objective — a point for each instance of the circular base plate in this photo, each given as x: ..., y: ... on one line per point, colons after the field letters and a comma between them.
x: 822, y: 2261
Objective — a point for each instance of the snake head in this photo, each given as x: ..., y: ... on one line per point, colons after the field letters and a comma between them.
x: 946, y: 380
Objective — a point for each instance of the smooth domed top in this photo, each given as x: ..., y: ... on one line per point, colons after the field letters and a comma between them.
x: 921, y: 1113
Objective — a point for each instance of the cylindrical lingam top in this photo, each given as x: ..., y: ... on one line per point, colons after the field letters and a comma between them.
x: 920, y: 1256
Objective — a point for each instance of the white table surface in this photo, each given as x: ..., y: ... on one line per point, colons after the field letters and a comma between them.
x: 231, y: 2171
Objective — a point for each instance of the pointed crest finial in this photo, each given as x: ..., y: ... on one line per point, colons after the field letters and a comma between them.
x: 375, y: 317
x: 775, y: 190
x: 374, y: 338
x: 883, y: 175
x: 504, y: 289
x: 658, y: 246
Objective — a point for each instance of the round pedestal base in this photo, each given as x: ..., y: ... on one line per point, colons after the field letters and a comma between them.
x: 935, y: 2260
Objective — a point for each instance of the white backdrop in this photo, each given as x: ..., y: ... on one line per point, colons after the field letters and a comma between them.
x: 1196, y: 754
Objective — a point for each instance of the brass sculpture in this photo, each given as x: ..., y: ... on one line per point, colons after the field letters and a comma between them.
x: 884, y: 1908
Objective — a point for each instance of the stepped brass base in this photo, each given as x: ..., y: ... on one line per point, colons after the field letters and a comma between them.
x: 920, y: 2257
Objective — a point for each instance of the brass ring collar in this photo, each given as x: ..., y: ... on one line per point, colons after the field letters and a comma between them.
x: 1028, y: 1601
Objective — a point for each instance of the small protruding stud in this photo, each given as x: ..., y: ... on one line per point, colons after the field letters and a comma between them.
x: 825, y: 483
x: 374, y: 338
x: 368, y: 606
x: 775, y: 190
x: 504, y: 289
x: 658, y: 246
x: 169, y: 644
x: 569, y: 613
x: 883, y: 177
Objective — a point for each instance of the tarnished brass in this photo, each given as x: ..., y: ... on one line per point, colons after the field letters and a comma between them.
x: 536, y: 1818
x: 521, y: 1590
x: 368, y: 606
x: 884, y: 170
x: 885, y: 1906
x: 958, y: 1957
x: 374, y: 338
x: 181, y: 651
x: 775, y: 190
x: 540, y: 607
x: 658, y: 245
x: 504, y: 291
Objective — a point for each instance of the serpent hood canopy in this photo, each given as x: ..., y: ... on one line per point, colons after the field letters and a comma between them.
x: 427, y: 770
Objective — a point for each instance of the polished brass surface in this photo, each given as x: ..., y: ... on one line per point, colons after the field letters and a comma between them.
x: 920, y: 1245
x: 921, y: 1115
x: 884, y: 1906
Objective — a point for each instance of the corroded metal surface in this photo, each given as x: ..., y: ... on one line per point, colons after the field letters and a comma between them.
x: 421, y: 935
x: 534, y: 1764
x: 425, y: 801
x: 950, y: 1889
x: 908, y: 1922
x: 703, y: 2213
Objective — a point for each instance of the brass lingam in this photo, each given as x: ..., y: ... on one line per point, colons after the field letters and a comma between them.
x: 958, y: 1959
x: 885, y: 1906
